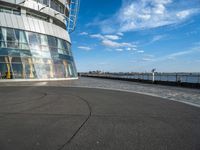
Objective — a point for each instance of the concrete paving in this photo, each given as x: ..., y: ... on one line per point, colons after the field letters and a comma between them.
x: 185, y: 95
x: 73, y: 118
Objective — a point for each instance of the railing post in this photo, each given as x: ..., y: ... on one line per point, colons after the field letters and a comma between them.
x: 153, y: 77
x: 186, y: 80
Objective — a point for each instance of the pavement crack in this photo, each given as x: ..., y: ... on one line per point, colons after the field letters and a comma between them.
x: 81, y: 126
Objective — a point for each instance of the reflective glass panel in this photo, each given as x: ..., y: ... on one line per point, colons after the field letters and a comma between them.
x: 33, y: 41
x: 10, y: 38
x: 27, y: 55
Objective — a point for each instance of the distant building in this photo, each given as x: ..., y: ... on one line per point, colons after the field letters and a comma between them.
x: 34, y: 42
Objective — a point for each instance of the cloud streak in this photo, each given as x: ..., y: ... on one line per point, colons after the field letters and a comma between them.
x: 86, y: 48
x: 110, y: 41
x: 83, y: 33
x: 113, y: 44
x: 145, y: 14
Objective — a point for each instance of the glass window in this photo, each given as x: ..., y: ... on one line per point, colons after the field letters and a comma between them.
x: 44, y: 40
x: 52, y: 41
x: 57, y: 6
x: 2, y: 39
x: 10, y: 10
x: 42, y: 60
x: 65, y: 44
x: 33, y: 38
x: 45, y: 54
x: 71, y: 69
x: 69, y: 49
x: 3, y: 70
x: 46, y: 2
x: 16, y: 12
x: 44, y: 43
x: 2, y: 59
x: 60, y: 46
x: 42, y: 70
x: 16, y: 42
x: 10, y: 38
x: 33, y: 41
x: 16, y: 59
x: 28, y: 68
x: 17, y: 70
x: 53, y: 46
x: 23, y: 40
x: 59, y: 70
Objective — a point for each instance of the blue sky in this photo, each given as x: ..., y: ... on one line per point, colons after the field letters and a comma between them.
x: 138, y: 35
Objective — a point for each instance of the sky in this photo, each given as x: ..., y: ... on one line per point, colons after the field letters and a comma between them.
x: 137, y: 36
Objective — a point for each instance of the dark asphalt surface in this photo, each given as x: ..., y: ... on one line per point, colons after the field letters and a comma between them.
x: 60, y: 118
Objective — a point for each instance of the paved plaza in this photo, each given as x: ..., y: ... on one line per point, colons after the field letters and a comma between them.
x: 185, y: 95
x: 65, y: 115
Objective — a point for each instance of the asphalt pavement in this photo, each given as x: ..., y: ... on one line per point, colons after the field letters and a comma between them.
x: 73, y: 118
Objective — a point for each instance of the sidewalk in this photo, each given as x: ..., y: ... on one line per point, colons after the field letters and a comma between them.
x: 185, y: 95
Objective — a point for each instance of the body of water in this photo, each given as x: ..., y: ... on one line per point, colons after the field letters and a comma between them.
x: 171, y: 77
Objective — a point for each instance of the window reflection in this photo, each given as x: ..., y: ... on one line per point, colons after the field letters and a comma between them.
x: 31, y: 55
x: 44, y: 43
x: 33, y: 41
x: 2, y: 40
x: 23, y: 41
x: 54, y: 4
x: 10, y: 38
x: 10, y: 10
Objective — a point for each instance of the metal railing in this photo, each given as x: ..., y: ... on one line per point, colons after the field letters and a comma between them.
x: 166, y: 77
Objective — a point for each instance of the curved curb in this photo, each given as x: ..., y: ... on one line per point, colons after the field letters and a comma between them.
x: 142, y: 93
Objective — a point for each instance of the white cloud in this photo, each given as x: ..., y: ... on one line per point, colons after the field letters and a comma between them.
x: 109, y: 36
x: 120, y: 34
x: 132, y: 48
x: 145, y: 14
x: 86, y: 48
x: 147, y: 59
x: 157, y: 38
x: 119, y: 49
x: 140, y: 51
x: 194, y: 49
x: 98, y: 36
x: 109, y: 41
x: 112, y: 37
x: 177, y: 54
x: 113, y: 44
x: 83, y: 33
x: 186, y: 13
x: 103, y: 63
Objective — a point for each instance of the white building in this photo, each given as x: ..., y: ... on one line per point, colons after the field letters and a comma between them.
x: 34, y: 42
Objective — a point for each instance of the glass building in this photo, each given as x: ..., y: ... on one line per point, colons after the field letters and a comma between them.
x: 34, y: 42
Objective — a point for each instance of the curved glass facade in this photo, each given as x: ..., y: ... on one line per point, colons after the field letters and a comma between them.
x: 29, y: 55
